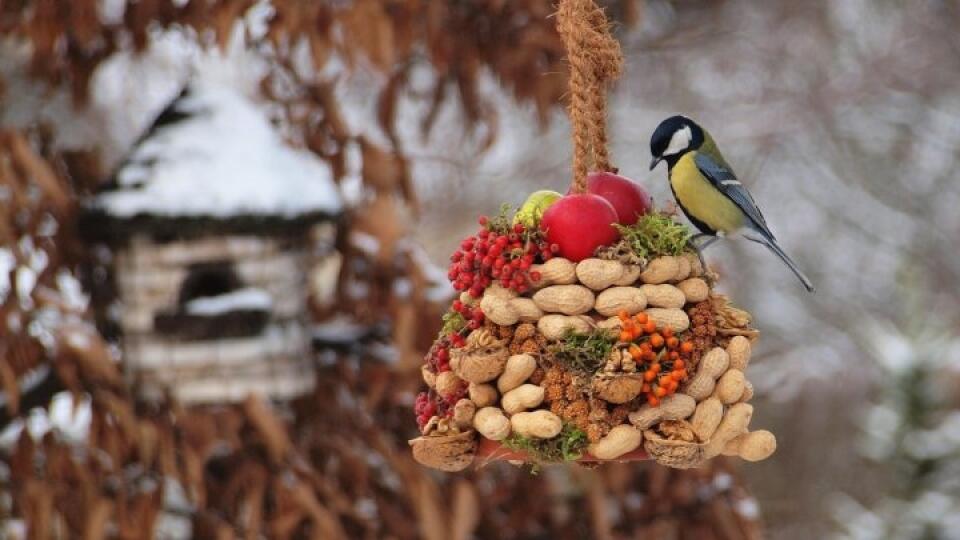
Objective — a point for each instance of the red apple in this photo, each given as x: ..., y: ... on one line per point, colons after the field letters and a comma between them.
x: 628, y: 198
x: 579, y: 224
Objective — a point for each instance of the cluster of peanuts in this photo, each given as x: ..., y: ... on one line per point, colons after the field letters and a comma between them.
x: 704, y: 415
x: 580, y: 297
x: 711, y: 415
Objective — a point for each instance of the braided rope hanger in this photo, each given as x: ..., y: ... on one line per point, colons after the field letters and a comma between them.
x: 595, y: 62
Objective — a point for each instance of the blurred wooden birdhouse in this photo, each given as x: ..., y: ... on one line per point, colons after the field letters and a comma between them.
x: 210, y: 228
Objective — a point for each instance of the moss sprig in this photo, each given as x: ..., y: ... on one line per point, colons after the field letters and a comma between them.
x: 453, y: 322
x: 653, y: 235
x: 568, y: 445
x: 502, y: 223
x: 586, y: 352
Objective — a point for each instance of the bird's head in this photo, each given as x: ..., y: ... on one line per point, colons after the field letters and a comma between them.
x: 673, y: 138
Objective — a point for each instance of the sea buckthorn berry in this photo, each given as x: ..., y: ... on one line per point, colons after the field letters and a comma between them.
x: 656, y: 341
x: 686, y: 347
x: 650, y: 327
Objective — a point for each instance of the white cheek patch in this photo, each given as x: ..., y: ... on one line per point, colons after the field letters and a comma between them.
x: 679, y: 142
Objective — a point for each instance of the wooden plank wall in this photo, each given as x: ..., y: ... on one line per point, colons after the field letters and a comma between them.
x: 276, y: 363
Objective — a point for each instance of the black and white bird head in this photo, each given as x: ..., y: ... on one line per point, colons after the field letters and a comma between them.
x: 673, y: 138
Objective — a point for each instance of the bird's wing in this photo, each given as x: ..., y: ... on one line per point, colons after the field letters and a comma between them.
x: 727, y: 183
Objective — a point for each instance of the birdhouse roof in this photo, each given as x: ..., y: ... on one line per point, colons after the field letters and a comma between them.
x: 212, y: 158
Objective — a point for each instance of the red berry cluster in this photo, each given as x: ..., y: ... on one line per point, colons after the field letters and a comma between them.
x: 438, y: 358
x: 473, y: 315
x: 498, y: 253
x: 424, y: 407
x: 429, y: 404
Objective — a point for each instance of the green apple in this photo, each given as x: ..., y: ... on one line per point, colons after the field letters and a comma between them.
x: 533, y: 208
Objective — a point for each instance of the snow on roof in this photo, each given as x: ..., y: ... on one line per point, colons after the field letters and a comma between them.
x: 213, y: 153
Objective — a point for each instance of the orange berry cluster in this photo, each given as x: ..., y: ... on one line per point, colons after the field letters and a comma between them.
x: 660, y: 356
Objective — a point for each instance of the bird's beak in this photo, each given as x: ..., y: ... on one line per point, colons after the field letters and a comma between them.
x: 656, y: 161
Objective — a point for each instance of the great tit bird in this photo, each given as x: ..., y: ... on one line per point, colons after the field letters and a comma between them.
x: 708, y: 191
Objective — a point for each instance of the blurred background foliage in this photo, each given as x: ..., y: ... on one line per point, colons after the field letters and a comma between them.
x: 843, y: 118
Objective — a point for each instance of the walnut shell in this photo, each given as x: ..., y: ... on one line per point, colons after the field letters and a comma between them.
x: 479, y: 365
x: 449, y: 453
x: 618, y: 388
x: 676, y: 454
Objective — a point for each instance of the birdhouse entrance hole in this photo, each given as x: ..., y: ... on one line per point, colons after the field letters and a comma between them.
x: 208, y: 279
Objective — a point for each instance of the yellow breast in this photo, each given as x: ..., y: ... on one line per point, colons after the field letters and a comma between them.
x: 701, y: 200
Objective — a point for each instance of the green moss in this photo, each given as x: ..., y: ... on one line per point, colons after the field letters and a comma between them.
x: 652, y: 235
x: 452, y: 322
x: 569, y: 445
x: 587, y: 352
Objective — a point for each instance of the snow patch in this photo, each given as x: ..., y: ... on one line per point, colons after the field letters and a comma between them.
x: 7, y: 263
x: 242, y: 299
x: 339, y: 329
x: 367, y: 243
x: 71, y: 291
x: 68, y: 419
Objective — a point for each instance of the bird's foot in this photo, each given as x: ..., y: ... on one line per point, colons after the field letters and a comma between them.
x: 700, y: 242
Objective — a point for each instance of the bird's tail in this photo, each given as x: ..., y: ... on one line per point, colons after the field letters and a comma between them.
x: 771, y: 244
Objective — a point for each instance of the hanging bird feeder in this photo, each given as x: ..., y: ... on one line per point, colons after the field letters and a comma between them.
x: 586, y: 328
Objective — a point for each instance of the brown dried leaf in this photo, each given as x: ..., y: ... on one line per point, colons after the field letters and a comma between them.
x: 228, y: 15
x: 35, y: 170
x: 147, y: 443
x: 383, y: 219
x: 252, y: 507
x: 98, y: 516
x: 84, y: 23
x: 387, y: 104
x: 326, y: 523
x: 38, y: 498
x: 193, y: 476
x: 137, y: 18
x: 466, y: 513
x: 382, y: 170
x: 371, y: 31
x: 8, y: 380
x: 430, y: 511
x: 91, y: 355
x: 43, y: 30
x: 271, y: 429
